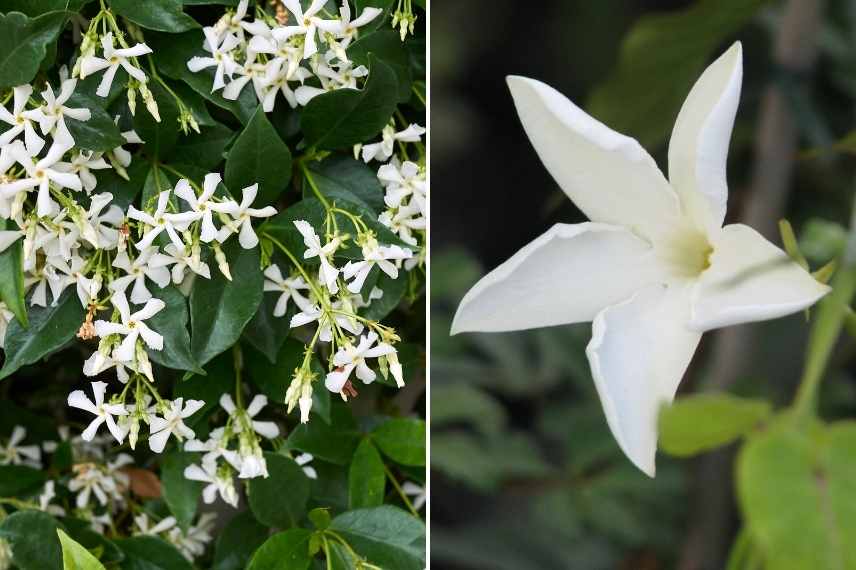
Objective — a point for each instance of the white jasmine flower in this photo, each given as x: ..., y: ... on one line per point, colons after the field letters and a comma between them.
x: 220, y: 48
x: 99, y: 227
x: 15, y: 454
x: 374, y: 254
x: 47, y: 495
x: 192, y: 544
x: 181, y: 259
x: 161, y: 221
x: 345, y: 28
x: 403, y: 181
x: 112, y: 60
x: 350, y: 358
x: 20, y: 121
x: 274, y: 281
x: 90, y: 480
x: 655, y: 268
x: 328, y: 273
x: 132, y: 326
x: 221, y: 483
x: 306, y: 25
x: 303, y: 460
x: 243, y: 215
x: 104, y: 412
x: 299, y: 393
x: 172, y: 422
x: 311, y: 313
x: 200, y: 206
x: 82, y: 164
x: 383, y: 150
x: 54, y: 111
x: 42, y: 172
x: 144, y: 527
x: 137, y: 271
x: 244, y: 418
x: 404, y: 221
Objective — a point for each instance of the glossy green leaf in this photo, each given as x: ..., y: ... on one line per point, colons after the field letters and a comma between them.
x: 99, y: 133
x: 345, y: 117
x: 12, y: 278
x: 151, y: 553
x: 180, y: 494
x: 32, y: 535
x: 160, y: 15
x: 266, y: 332
x: 173, y: 51
x: 695, y: 424
x: 171, y: 323
x: 657, y: 75
x: 287, y: 550
x: 393, y: 293
x: 83, y: 533
x: 124, y: 191
x: 334, y: 442
x: 796, y: 495
x: 281, y: 226
x: 237, y: 541
x: 402, y: 440
x: 203, y: 149
x: 340, y: 176
x: 273, y: 378
x: 75, y: 556
x: 259, y: 156
x: 386, y: 45
x: 160, y: 137
x: 23, y: 45
x: 17, y: 479
x: 50, y: 328
x: 387, y: 536
x: 35, y: 8
x: 219, y: 378
x: 220, y: 308
x: 269, y: 503
x: 366, y: 477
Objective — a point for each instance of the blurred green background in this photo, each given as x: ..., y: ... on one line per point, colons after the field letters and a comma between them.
x: 525, y: 474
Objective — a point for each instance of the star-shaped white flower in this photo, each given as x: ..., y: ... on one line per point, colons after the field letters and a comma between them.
x: 353, y: 358
x: 220, y: 48
x: 383, y: 150
x: 54, y: 111
x: 200, y: 206
x: 131, y: 326
x: 274, y: 281
x: 655, y: 268
x: 20, y: 121
x: 344, y: 28
x: 243, y: 216
x: 112, y: 60
x: 104, y: 412
x: 328, y: 272
x: 137, y: 271
x: 216, y: 482
x: 172, y: 422
x: 160, y: 221
x: 307, y: 25
x: 181, y: 259
x: 374, y: 254
x: 245, y: 418
x: 40, y: 173
x: 13, y: 453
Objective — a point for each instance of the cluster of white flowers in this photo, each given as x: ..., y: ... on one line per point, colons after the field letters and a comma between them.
x: 191, y: 544
x: 300, y: 56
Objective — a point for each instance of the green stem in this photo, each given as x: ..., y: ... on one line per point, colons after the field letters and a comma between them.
x: 236, y: 353
x: 400, y: 491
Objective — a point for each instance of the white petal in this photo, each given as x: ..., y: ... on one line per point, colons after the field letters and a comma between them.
x: 266, y: 429
x: 566, y: 275
x: 157, y: 441
x: 698, y: 150
x: 638, y: 354
x: 750, y: 279
x: 608, y: 176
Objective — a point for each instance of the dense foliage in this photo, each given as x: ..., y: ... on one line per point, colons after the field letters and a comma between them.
x: 212, y: 271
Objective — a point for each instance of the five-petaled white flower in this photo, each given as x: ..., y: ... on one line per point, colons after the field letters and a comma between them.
x: 104, y: 412
x: 306, y: 25
x: 328, y: 273
x: 15, y: 454
x: 655, y: 268
x: 40, y: 173
x: 200, y: 206
x: 274, y: 281
x: 374, y: 254
x: 20, y: 120
x: 131, y: 326
x: 112, y: 60
x: 220, y: 48
x: 53, y: 111
x: 172, y: 422
x: 350, y: 358
x: 216, y: 482
x: 383, y: 150
x: 245, y: 418
x: 161, y: 221
x: 243, y: 215
x: 137, y: 271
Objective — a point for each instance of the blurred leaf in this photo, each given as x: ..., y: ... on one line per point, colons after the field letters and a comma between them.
x: 657, y: 75
x: 269, y: 503
x: 74, y: 556
x: 259, y: 156
x: 273, y: 379
x: 699, y: 423
x: 23, y: 44
x: 18, y: 479
x: 366, y: 477
x: 822, y: 240
x: 345, y: 117
x: 151, y: 553
x: 160, y: 15
x: 180, y: 494
x: 237, y: 541
x: 796, y: 495
x: 789, y: 240
x: 462, y: 403
x: 402, y: 440
x: 287, y: 550
x: 34, y: 540
x: 219, y: 308
x: 12, y: 288
x: 334, y: 442
x: 50, y: 328
x: 387, y: 536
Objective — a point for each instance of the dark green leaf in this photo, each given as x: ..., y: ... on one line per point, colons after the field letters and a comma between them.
x: 99, y: 133
x: 35, y: 8
x: 18, y: 479
x: 402, y: 440
x: 320, y: 518
x: 273, y: 379
x: 239, y: 539
x: 32, y: 535
x: 124, y: 191
x: 656, y: 75
x: 219, y: 379
x: 160, y: 15
x: 267, y: 500
x: 386, y: 536
x: 220, y: 308
x: 281, y: 226
x: 180, y: 494
x: 393, y: 293
x: 287, y: 550
x: 386, y: 45
x: 266, y: 332
x: 50, y: 328
x: 75, y: 556
x: 151, y: 553
x: 259, y: 156
x: 172, y: 54
x: 161, y: 137
x: 346, y: 117
x: 171, y: 322
x: 334, y: 442
x: 12, y: 278
x: 23, y: 45
x: 204, y: 149
x: 699, y: 423
x: 340, y: 176
x: 366, y: 477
